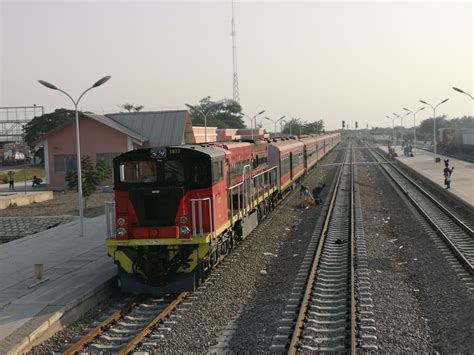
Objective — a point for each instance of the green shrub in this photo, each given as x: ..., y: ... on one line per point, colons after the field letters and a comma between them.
x: 91, y: 177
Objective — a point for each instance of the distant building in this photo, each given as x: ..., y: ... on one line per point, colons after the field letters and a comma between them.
x: 103, y: 137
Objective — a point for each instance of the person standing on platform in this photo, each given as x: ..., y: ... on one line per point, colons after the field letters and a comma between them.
x: 447, y: 176
x: 11, y: 180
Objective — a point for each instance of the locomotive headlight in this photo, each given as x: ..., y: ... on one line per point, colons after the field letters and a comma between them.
x: 121, y: 232
x: 183, y: 219
x: 183, y: 230
x: 121, y: 221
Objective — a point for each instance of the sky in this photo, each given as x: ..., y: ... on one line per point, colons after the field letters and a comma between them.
x: 335, y: 61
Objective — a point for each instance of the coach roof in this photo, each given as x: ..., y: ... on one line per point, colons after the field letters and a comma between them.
x: 213, y: 151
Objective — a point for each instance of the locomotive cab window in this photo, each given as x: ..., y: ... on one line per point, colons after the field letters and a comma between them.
x: 138, y: 171
x: 217, y: 171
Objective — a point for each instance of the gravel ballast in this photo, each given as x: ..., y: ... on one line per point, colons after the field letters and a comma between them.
x: 420, y: 305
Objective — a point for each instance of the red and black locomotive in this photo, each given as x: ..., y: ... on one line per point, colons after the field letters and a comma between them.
x: 180, y: 209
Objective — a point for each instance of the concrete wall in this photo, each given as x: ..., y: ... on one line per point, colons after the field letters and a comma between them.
x: 95, y: 138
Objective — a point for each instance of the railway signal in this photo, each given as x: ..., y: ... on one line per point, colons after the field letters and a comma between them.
x: 357, y: 125
x: 343, y: 124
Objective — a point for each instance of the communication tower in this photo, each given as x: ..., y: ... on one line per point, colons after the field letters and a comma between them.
x: 234, y: 57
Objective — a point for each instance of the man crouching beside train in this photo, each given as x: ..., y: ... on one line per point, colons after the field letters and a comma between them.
x: 317, y: 192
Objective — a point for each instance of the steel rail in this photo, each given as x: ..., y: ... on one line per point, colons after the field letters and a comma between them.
x: 312, y: 276
x: 458, y: 253
x: 455, y: 219
x: 86, y: 339
x: 149, y: 327
x: 352, y: 257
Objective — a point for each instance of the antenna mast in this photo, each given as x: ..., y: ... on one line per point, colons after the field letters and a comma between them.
x: 234, y: 57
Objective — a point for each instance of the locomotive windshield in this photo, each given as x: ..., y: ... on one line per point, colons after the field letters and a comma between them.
x: 167, y: 172
x: 138, y: 171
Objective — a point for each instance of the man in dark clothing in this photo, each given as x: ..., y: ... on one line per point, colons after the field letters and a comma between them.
x: 447, y: 176
x: 317, y: 192
x: 36, y: 181
x: 11, y: 180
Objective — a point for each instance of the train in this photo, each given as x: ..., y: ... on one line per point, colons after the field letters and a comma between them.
x: 179, y: 210
x: 456, y: 139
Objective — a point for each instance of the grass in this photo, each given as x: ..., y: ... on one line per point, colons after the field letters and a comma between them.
x: 20, y: 174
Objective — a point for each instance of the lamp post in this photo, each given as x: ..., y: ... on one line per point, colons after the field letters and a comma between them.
x: 252, y: 119
x: 401, y: 122
x: 78, y: 144
x: 24, y: 154
x: 414, y: 124
x: 396, y: 136
x: 393, y: 129
x: 275, y: 122
x: 463, y: 92
x: 205, y: 119
x: 434, y: 122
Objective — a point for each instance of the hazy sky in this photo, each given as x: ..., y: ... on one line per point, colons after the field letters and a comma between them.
x: 352, y: 61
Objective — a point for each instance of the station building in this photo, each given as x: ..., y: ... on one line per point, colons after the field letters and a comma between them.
x: 103, y: 137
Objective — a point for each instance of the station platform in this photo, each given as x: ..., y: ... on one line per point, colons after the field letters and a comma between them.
x: 462, y: 180
x: 77, y: 273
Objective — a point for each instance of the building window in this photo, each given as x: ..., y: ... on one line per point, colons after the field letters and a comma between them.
x: 65, y: 162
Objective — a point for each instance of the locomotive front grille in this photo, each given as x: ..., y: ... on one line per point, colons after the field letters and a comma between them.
x: 156, y: 207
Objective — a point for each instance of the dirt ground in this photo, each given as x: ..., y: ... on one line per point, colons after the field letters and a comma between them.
x: 63, y: 203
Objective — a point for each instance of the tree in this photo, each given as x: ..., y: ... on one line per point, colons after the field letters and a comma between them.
x: 463, y: 122
x: 131, y: 107
x: 225, y: 113
x: 91, y: 177
x: 426, y: 126
x: 306, y: 128
x: 41, y: 125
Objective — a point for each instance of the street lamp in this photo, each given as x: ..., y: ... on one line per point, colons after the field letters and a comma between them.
x: 434, y: 122
x: 414, y: 124
x: 205, y: 119
x: 252, y: 119
x: 275, y: 122
x: 396, y: 136
x: 393, y: 130
x: 463, y: 92
x: 401, y: 122
x: 78, y: 144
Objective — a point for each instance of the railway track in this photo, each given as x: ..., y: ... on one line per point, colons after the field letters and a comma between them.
x: 128, y: 326
x: 330, y: 307
x: 457, y: 235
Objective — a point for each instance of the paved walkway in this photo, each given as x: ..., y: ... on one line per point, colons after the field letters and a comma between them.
x: 75, y: 268
x: 17, y: 227
x: 462, y: 181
